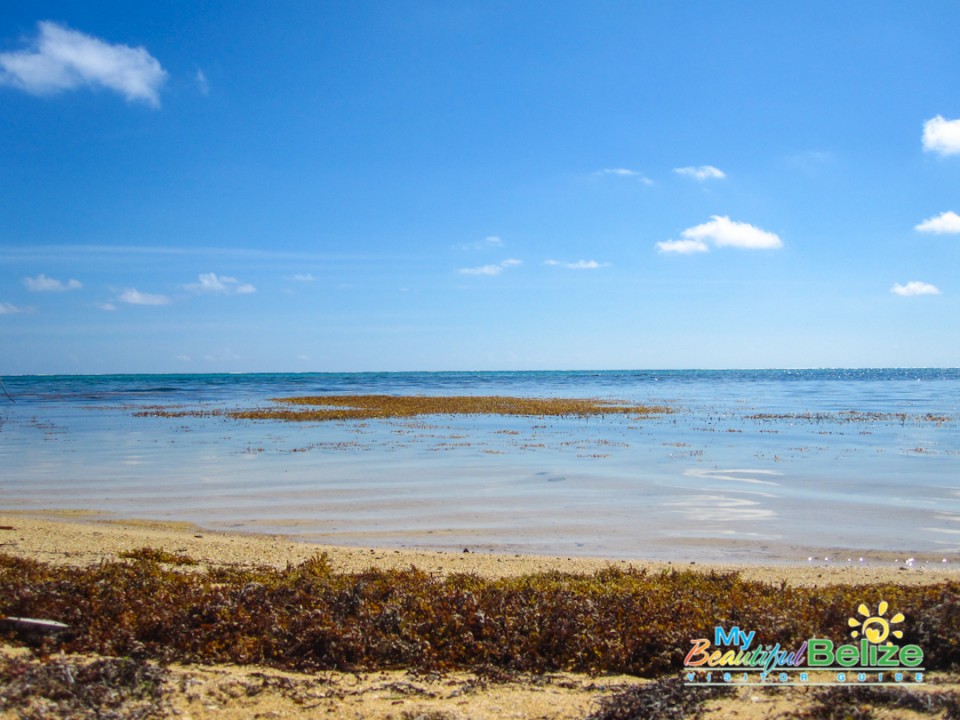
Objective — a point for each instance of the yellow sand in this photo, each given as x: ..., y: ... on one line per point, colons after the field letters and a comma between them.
x: 81, y: 537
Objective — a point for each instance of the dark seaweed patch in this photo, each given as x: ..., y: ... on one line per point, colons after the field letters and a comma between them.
x: 311, y: 617
x: 666, y: 699
x: 362, y: 407
x: 107, y: 689
x: 156, y: 555
x: 859, y: 703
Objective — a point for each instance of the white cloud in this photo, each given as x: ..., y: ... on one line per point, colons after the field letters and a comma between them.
x: 10, y: 309
x: 491, y: 269
x: 304, y: 277
x: 202, y: 84
x: 578, y: 265
x: 724, y: 232
x: 701, y: 173
x: 941, y: 136
x: 491, y: 241
x: 219, y: 284
x: 625, y: 173
x: 482, y: 270
x: 683, y: 247
x: 63, y: 59
x: 107, y: 307
x: 42, y: 283
x: 811, y: 160
x: 947, y: 223
x: 619, y: 172
x: 132, y: 296
x: 914, y: 287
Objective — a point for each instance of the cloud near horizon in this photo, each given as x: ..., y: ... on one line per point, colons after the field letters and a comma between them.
x: 941, y: 136
x: 132, y: 296
x: 946, y: 223
x: 721, y: 231
x: 914, y: 288
x: 59, y: 59
x: 701, y: 173
x: 219, y: 284
x: 42, y: 283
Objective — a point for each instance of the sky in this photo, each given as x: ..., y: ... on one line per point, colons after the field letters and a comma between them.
x: 459, y: 185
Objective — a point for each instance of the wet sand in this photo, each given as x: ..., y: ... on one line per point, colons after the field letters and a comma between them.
x: 84, y: 537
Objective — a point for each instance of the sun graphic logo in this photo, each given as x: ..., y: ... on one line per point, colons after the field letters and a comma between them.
x: 875, y: 627
x: 873, y: 652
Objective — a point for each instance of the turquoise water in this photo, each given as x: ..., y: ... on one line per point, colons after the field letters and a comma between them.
x: 752, y: 466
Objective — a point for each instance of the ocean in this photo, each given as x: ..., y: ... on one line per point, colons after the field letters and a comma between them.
x: 751, y: 466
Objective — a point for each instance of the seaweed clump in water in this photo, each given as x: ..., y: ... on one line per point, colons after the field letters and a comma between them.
x: 365, y: 407
x: 362, y: 407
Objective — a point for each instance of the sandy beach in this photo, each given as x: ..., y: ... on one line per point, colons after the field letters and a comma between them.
x: 85, y: 537
x: 230, y: 691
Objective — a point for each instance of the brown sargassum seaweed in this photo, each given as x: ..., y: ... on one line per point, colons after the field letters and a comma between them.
x: 363, y: 407
x: 311, y: 617
x: 104, y: 689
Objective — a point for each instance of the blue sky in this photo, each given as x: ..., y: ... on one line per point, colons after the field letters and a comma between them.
x: 298, y: 186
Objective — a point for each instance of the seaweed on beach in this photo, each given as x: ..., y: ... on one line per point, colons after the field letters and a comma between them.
x: 364, y: 407
x: 859, y: 703
x: 311, y: 617
x: 157, y: 555
x: 666, y: 699
x: 106, y: 688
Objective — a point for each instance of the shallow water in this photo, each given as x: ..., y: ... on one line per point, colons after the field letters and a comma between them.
x: 708, y: 482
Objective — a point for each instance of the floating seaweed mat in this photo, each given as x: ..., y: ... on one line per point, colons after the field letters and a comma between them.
x: 354, y: 407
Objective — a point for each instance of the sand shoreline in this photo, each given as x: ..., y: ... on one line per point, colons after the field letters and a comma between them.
x: 85, y: 537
